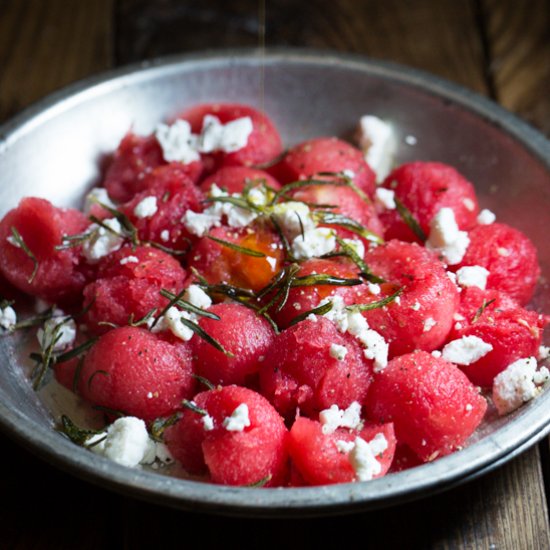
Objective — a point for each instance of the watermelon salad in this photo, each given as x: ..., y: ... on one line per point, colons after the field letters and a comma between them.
x: 270, y: 317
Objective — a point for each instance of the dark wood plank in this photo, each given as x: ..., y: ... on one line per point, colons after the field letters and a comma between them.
x: 518, y: 35
x: 392, y: 30
x: 46, y: 45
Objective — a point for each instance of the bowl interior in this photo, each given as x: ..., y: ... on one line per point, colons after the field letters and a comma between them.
x: 56, y: 150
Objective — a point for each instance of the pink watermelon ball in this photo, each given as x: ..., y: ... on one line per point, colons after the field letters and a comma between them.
x: 234, y: 179
x: 433, y: 405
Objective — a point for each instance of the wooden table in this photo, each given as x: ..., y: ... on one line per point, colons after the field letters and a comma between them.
x: 497, y: 48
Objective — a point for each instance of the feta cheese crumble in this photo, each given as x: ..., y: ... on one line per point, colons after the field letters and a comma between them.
x: 472, y: 275
x: 333, y: 418
x: 518, y: 383
x: 239, y: 419
x: 293, y: 216
x: 59, y: 332
x: 196, y: 296
x: 8, y: 318
x: 102, y: 240
x: 126, y: 442
x: 377, y: 141
x: 229, y: 137
x: 172, y: 321
x: 97, y: 195
x: 362, y: 455
x: 338, y: 352
x: 313, y: 243
x: 466, y: 350
x: 146, y: 207
x: 385, y: 197
x: 177, y: 142
x: 445, y: 237
x: 486, y: 217
x: 207, y: 422
x: 129, y: 260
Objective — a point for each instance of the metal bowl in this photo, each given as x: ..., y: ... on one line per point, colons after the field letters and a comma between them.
x: 54, y: 150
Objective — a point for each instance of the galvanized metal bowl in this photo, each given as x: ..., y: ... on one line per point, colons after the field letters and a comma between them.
x: 54, y: 150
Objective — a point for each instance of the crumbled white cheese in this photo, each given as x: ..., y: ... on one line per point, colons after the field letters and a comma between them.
x: 129, y: 260
x: 200, y: 223
x: 177, y: 142
x: 59, y: 332
x: 229, y: 137
x: 333, y: 418
x: 411, y: 140
x: 376, y: 139
x: 518, y: 383
x: 374, y: 288
x: 172, y: 321
x: 376, y: 348
x: 436, y: 353
x: 472, y: 275
x: 8, y: 318
x: 238, y: 420
x: 357, y: 245
x: 469, y: 204
x: 102, y: 241
x: 416, y: 306
x: 466, y: 350
x: 313, y: 243
x: 163, y: 454
x: 240, y: 217
x: 293, y: 217
x: 97, y: 195
x: 445, y: 237
x: 338, y: 352
x: 486, y: 217
x: 503, y: 252
x: 125, y: 442
x: 429, y: 323
x: 13, y: 241
x: 165, y: 235
x: 207, y: 422
x: 146, y: 207
x: 385, y: 197
x: 196, y: 296
x: 362, y: 456
x: 544, y: 353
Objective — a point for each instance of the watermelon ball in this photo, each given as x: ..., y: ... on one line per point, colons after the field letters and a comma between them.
x: 422, y: 316
x: 156, y: 212
x: 242, y: 333
x: 134, y: 160
x: 234, y: 435
x: 337, y: 457
x: 133, y: 371
x: 484, y: 345
x: 325, y: 154
x: 263, y: 144
x: 128, y: 286
x: 304, y: 369
x: 37, y: 266
x: 424, y: 188
x: 235, y: 178
x: 302, y: 299
x: 508, y: 255
x: 433, y: 405
x: 348, y: 203
x: 219, y: 263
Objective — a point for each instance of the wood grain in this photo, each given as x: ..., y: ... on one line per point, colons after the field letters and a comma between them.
x: 495, y: 47
x: 518, y: 35
x: 46, y: 45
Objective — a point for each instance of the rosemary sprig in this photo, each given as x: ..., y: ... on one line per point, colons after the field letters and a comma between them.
x: 128, y: 227
x: 410, y: 220
x: 168, y: 250
x: 74, y: 433
x: 94, y: 374
x: 46, y: 359
x: 144, y: 320
x: 237, y: 248
x: 364, y: 270
x: 36, y: 320
x: 187, y: 306
x: 283, y: 281
x: 204, y: 381
x: 261, y: 483
x: 22, y: 245
x: 322, y: 279
x: 319, y: 310
x: 284, y: 241
x: 192, y: 406
x: 76, y: 351
x: 199, y: 331
x: 333, y: 218
x: 159, y: 425
x: 377, y: 304
x: 481, y: 309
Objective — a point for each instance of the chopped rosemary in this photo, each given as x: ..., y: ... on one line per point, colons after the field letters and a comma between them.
x: 159, y: 425
x: 410, y: 220
x: 332, y: 218
x: 237, y: 248
x: 46, y: 359
x: 377, y: 304
x: 261, y: 483
x: 129, y: 228
x: 204, y: 381
x: 283, y: 282
x: 21, y: 244
x: 319, y: 310
x: 192, y: 406
x: 364, y: 269
x: 324, y: 279
x: 187, y: 306
x: 75, y: 352
x: 481, y: 309
x: 94, y: 374
x: 199, y: 331
x: 144, y: 320
x: 74, y: 433
x: 36, y: 320
x: 167, y: 249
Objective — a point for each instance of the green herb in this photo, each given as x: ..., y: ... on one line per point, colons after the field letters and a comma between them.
x: 129, y: 228
x: 75, y: 352
x: 144, y: 320
x: 187, y: 306
x: 365, y: 271
x: 237, y: 248
x: 322, y: 279
x: 204, y: 381
x: 375, y: 305
x: 199, y: 331
x: 282, y: 283
x: 21, y: 244
x: 410, y: 220
x: 35, y: 321
x: 110, y: 412
x: 319, y: 310
x: 159, y: 425
x: 192, y: 406
x: 94, y: 374
x: 481, y: 309
x: 74, y: 433
x: 261, y: 483
x: 168, y: 250
x: 332, y: 218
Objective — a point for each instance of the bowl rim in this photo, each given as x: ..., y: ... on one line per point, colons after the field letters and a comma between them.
x: 528, y: 427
